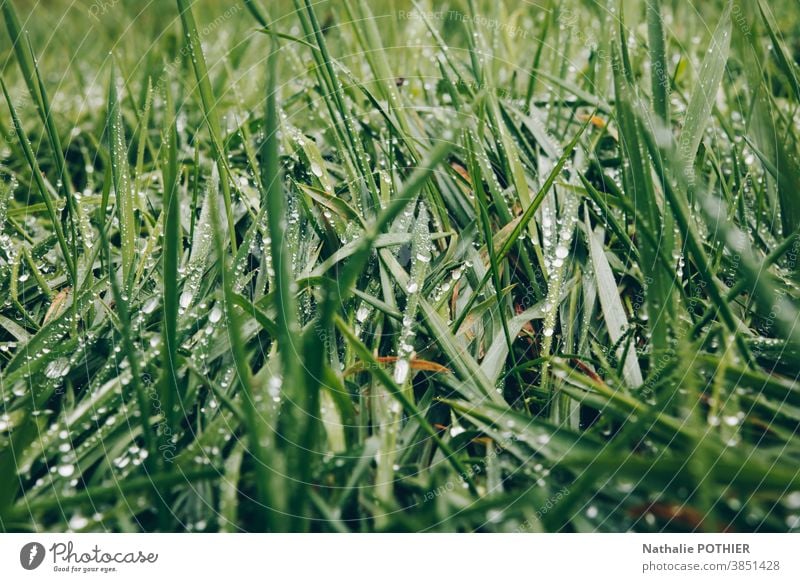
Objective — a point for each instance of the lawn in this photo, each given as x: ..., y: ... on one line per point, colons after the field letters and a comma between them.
x: 359, y: 266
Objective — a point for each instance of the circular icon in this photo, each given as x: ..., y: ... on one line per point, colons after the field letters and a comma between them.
x: 31, y: 555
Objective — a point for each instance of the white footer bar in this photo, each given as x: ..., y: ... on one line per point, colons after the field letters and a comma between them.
x: 400, y: 557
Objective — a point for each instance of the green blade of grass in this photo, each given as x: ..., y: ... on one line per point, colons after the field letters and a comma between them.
x: 659, y: 74
x: 268, y: 507
x: 209, y: 103
x: 173, y: 243
x: 638, y: 185
x: 613, y: 312
x: 300, y: 411
x: 704, y: 96
x: 120, y: 171
x: 779, y: 50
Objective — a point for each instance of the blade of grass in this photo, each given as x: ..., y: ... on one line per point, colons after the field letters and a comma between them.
x: 209, y: 103
x: 300, y: 411
x: 173, y: 243
x: 120, y: 171
x: 704, y: 96
x: 659, y: 74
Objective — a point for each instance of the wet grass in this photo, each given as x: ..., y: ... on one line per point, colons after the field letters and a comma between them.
x: 370, y: 267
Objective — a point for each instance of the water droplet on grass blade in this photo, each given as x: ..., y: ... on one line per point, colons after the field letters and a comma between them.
x: 401, y: 371
x: 215, y: 315
x: 58, y: 368
x: 66, y: 470
x: 186, y: 299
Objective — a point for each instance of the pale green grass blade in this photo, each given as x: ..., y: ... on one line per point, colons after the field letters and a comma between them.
x: 209, y: 103
x: 704, y: 96
x: 123, y: 193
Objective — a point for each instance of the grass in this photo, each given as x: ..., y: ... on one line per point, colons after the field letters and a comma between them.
x: 398, y: 266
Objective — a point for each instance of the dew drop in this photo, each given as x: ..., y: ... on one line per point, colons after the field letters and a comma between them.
x: 401, y: 371
x: 58, y: 368
x: 66, y: 470
x: 215, y: 315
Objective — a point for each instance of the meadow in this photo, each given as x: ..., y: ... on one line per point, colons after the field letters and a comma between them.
x: 350, y: 266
